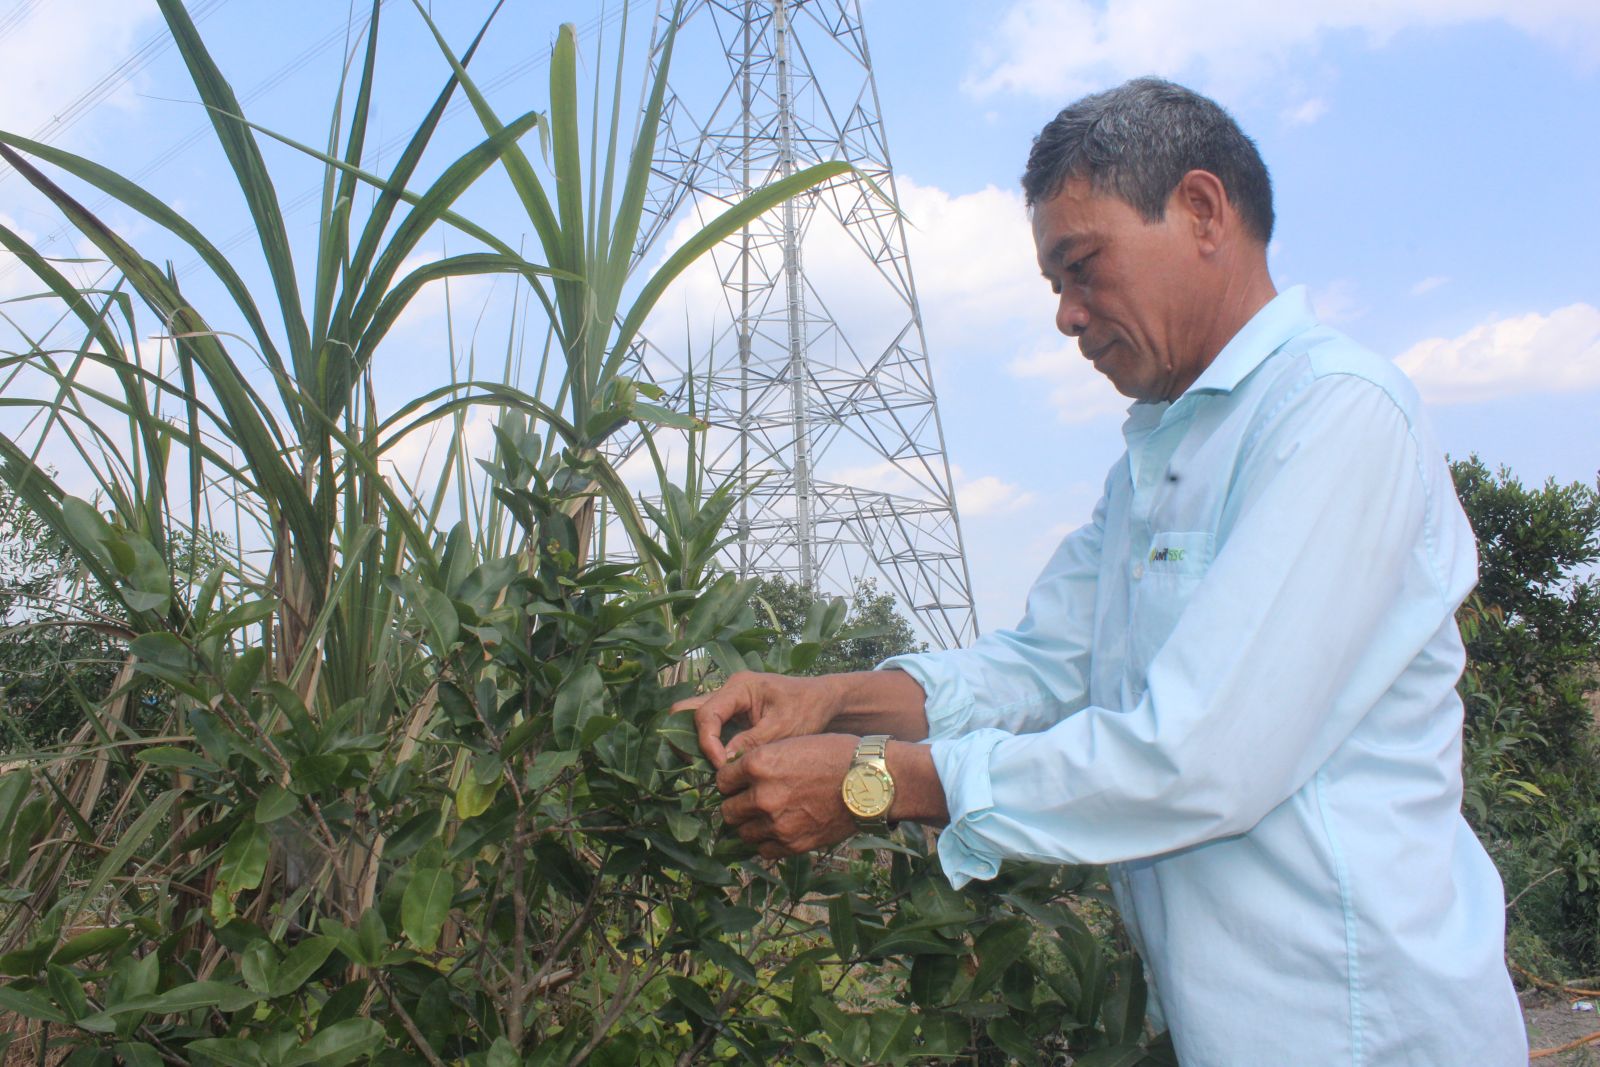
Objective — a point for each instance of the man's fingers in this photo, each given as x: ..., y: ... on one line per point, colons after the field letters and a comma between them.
x: 759, y: 734
x: 711, y: 716
x: 733, y: 775
x: 740, y: 808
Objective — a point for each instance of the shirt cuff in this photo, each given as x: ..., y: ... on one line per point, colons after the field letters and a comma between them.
x: 948, y: 702
x: 963, y: 768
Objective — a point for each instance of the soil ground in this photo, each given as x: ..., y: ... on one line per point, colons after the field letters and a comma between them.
x: 1552, y: 1023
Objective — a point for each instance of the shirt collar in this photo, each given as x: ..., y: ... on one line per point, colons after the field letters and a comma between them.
x: 1284, y: 317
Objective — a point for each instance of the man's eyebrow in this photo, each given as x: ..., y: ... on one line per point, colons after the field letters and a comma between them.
x: 1059, y: 250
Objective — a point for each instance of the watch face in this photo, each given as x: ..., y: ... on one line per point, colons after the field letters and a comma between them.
x: 868, y: 791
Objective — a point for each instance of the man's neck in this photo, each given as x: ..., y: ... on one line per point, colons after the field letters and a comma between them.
x: 1246, y: 293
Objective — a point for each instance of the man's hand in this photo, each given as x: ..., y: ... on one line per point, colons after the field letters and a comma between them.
x: 785, y: 797
x: 774, y: 706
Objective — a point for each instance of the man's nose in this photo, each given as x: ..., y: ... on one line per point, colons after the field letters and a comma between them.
x: 1072, y: 317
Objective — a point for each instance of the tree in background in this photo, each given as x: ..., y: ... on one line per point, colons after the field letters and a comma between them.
x: 62, y: 639
x: 54, y: 639
x: 1532, y: 751
x: 1537, y: 549
x: 878, y: 630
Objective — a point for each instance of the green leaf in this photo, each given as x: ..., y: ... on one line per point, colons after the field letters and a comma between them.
x: 842, y: 924
x: 219, y: 995
x: 317, y: 773
x: 415, y: 832
x: 502, y: 1054
x: 684, y: 826
x: 258, y: 966
x: 564, y: 873
x: 547, y: 766
x: 998, y: 947
x: 174, y: 758
x: 932, y: 979
x: 138, y: 1054
x: 67, y: 991
x: 30, y: 1005
x: 164, y: 656
x: 1116, y: 1056
x: 243, y: 672
x: 438, y: 614
x: 246, y: 614
x: 231, y: 1051
x: 580, y: 698
x: 373, y: 936
x: 275, y: 803
x: 301, y: 963
x: 913, y: 943
x: 1122, y: 1015
x: 727, y: 957
x: 244, y: 859
x: 1013, y: 1040
x: 472, y: 797
x: 426, y: 905
x: 692, y: 997
x: 339, y: 1044
x: 91, y: 943
x: 889, y: 1036
x: 697, y: 864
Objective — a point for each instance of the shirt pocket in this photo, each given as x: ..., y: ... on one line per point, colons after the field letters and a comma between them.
x: 1171, y: 571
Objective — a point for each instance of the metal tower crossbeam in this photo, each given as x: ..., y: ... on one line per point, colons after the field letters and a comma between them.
x: 815, y: 380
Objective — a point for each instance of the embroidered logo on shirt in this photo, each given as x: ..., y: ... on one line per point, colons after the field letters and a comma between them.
x: 1166, y: 555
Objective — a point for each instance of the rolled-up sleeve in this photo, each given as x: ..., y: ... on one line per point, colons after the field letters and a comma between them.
x: 1026, y: 678
x: 1319, y: 595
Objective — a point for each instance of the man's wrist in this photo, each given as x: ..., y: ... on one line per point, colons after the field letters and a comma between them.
x: 876, y: 702
x: 918, y: 792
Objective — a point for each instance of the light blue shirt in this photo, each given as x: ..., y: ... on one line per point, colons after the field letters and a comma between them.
x: 1236, y: 686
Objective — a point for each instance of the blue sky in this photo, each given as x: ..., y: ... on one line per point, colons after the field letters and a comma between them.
x: 1435, y: 163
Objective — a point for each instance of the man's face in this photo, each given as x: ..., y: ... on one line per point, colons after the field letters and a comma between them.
x: 1127, y: 289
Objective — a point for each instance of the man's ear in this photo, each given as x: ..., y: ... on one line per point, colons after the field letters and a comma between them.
x: 1203, y: 208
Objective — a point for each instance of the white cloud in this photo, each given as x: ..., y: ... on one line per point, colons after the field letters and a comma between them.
x: 1059, y: 49
x: 1337, y: 302
x: 990, y: 495
x: 60, y: 51
x: 1308, y: 112
x: 972, y: 256
x: 1429, y: 284
x: 1078, y: 392
x: 1558, y: 352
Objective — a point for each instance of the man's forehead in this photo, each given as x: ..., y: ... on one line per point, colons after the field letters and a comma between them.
x: 1072, y: 217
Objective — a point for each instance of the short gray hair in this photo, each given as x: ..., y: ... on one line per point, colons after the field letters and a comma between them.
x: 1137, y: 141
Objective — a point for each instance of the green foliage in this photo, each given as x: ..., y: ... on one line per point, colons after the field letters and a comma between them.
x: 1539, y: 636
x: 412, y: 792
x: 523, y: 861
x: 61, y: 637
x: 876, y: 630
x: 1531, y: 760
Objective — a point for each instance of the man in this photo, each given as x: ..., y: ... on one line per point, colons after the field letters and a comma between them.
x: 1236, y: 684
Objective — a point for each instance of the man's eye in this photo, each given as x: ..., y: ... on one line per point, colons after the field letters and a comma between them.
x: 1077, y: 266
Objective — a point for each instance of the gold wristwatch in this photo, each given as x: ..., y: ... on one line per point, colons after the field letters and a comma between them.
x: 868, y: 786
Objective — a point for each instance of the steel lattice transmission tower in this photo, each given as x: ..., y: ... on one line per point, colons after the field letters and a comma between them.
x: 815, y: 381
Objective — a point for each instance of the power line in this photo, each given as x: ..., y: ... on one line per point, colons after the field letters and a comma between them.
x: 16, y: 16
x: 151, y: 49
x: 517, y: 70
x: 194, y: 136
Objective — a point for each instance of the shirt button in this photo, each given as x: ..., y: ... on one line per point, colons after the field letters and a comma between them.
x: 1138, y: 571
